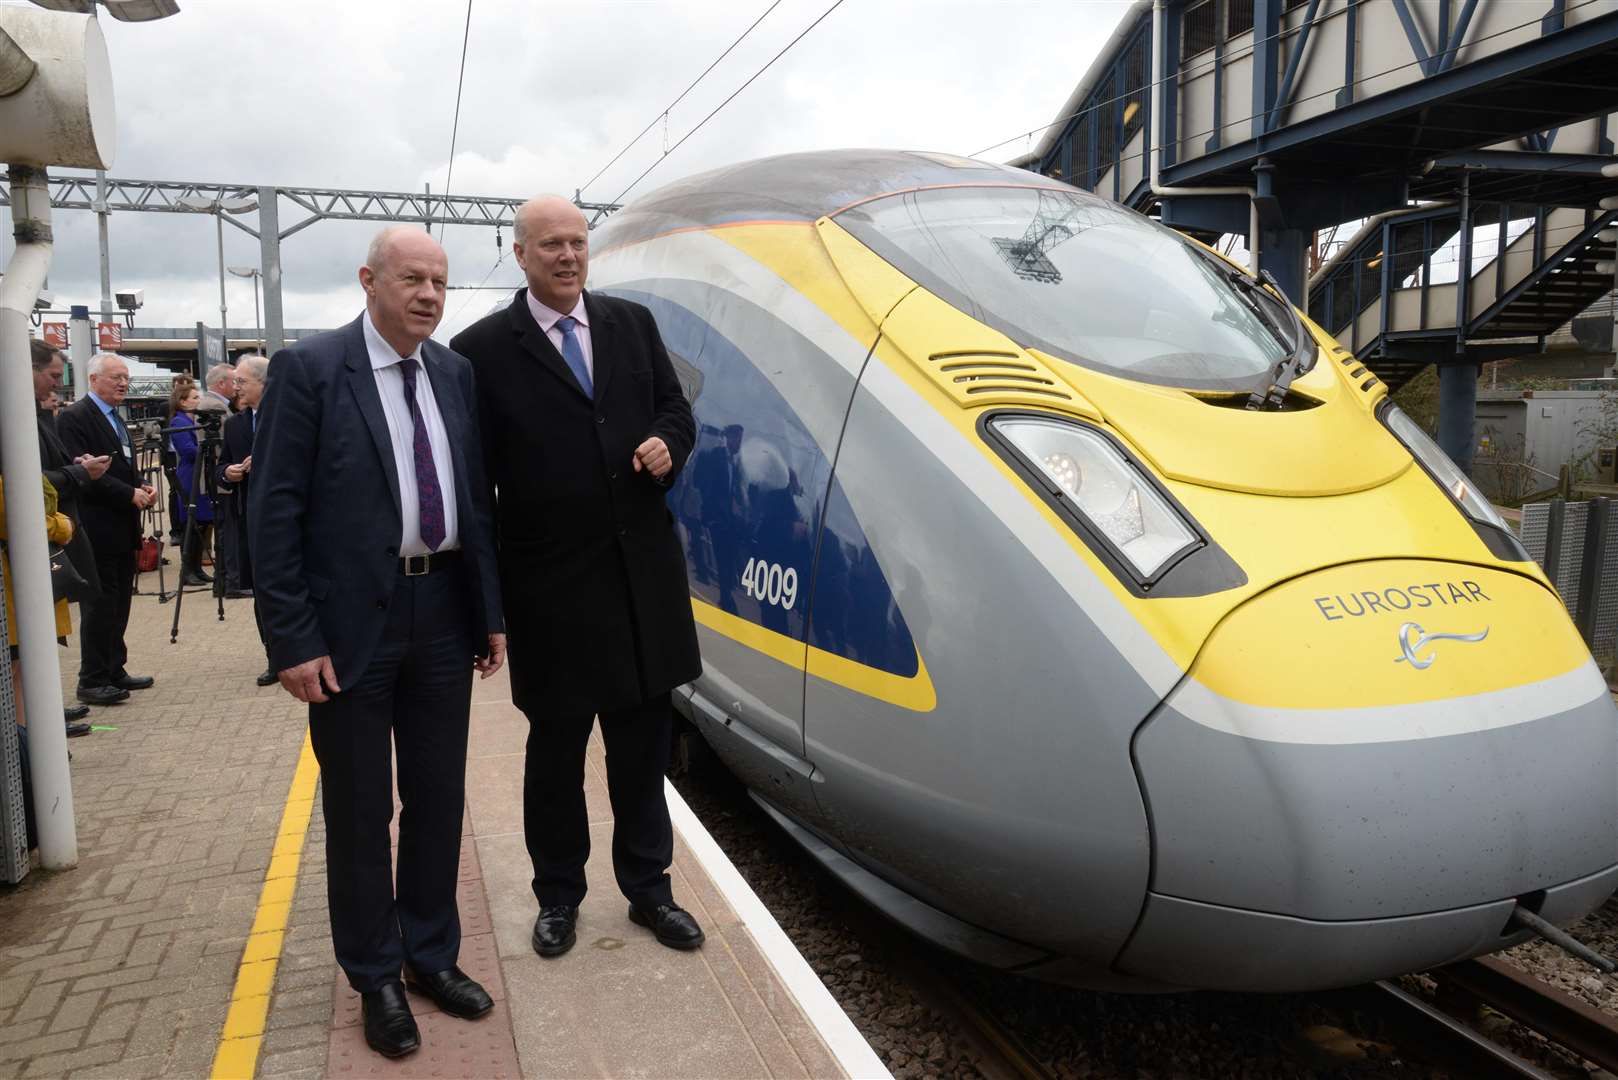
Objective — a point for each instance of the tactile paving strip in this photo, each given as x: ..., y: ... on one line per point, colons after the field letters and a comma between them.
x: 449, y: 1047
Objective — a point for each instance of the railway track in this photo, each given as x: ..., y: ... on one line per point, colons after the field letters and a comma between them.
x: 1464, y: 989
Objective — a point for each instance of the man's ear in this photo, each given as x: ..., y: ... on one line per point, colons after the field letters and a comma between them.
x: 367, y: 276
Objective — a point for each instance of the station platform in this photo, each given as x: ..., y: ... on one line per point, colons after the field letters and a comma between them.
x: 192, y: 939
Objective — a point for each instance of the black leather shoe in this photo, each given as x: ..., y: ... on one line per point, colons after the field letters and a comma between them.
x: 74, y: 713
x: 267, y: 677
x: 553, y: 930
x: 238, y: 594
x: 134, y: 682
x: 390, y: 1030
x: 197, y: 580
x: 102, y: 695
x: 673, y: 925
x: 75, y: 730
x: 453, y: 991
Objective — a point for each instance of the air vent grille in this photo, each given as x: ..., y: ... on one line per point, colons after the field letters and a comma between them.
x: 992, y: 378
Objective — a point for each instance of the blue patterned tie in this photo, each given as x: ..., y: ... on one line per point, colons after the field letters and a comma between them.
x: 574, y: 355
x: 428, y: 496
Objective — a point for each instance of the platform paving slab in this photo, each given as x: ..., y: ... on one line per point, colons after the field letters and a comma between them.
x: 122, y: 966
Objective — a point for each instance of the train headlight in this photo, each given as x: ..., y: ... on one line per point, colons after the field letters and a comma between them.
x: 1438, y: 464
x: 1084, y: 469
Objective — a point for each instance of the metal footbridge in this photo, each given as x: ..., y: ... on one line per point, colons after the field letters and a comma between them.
x: 1475, y: 135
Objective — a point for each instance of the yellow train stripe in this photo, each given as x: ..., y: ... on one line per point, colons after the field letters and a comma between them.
x: 237, y: 1055
x: 915, y: 692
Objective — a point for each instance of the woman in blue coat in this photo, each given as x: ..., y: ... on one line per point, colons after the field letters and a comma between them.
x: 183, y: 404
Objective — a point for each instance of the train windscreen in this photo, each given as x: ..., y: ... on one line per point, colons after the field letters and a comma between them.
x: 1076, y: 277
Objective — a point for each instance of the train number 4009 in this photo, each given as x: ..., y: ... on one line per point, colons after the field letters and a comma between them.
x: 769, y: 583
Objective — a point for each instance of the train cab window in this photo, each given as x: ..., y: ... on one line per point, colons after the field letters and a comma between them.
x: 1077, y: 277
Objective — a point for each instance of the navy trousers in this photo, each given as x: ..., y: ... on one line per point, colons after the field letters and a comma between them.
x: 412, y: 705
x: 556, y: 824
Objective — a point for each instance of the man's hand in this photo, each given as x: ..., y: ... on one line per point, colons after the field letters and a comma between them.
x: 653, y: 456
x: 304, y: 681
x: 94, y: 467
x: 143, y: 497
x: 488, y: 665
x: 234, y: 473
x: 247, y: 463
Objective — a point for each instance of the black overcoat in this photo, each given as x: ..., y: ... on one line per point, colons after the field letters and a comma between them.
x: 597, y: 606
x: 236, y: 441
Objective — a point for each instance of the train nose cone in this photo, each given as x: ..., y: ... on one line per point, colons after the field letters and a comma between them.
x: 1397, y: 750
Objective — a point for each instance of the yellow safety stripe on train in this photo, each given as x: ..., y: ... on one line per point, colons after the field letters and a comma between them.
x: 915, y: 693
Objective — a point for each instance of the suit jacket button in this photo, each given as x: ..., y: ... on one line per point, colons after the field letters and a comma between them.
x: 612, y: 476
x: 623, y: 532
x: 382, y: 605
x: 601, y: 419
x: 393, y: 551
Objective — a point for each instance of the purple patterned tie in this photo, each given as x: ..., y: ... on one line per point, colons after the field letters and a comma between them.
x: 428, y: 495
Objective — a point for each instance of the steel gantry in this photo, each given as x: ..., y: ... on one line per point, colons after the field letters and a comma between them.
x: 78, y: 192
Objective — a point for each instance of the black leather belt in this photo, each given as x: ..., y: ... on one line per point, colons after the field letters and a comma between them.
x: 417, y: 565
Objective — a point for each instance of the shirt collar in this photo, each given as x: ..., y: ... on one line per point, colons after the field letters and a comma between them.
x: 381, y: 353
x: 105, y: 408
x: 548, y: 317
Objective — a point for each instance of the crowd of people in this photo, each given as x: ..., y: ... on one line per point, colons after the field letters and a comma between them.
x: 399, y: 511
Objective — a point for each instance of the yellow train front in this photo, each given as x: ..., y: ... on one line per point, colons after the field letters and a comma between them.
x: 1086, y: 609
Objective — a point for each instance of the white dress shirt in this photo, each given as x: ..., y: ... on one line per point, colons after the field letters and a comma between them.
x: 402, y: 431
x: 547, y: 318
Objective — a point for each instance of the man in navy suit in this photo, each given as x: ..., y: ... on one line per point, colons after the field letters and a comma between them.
x: 374, y: 571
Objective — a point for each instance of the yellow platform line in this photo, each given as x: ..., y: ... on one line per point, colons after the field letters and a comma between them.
x: 237, y: 1056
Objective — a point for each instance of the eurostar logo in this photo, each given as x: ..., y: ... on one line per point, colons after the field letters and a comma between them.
x: 1412, y: 639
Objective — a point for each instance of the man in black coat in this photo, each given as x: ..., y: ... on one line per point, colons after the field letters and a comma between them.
x: 67, y: 476
x: 234, y: 480
x: 584, y: 427
x: 110, y: 508
x: 374, y: 568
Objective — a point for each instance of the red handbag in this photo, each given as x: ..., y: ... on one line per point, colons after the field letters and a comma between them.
x: 151, y: 550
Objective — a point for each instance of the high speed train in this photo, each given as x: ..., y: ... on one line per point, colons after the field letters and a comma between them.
x: 1088, y: 610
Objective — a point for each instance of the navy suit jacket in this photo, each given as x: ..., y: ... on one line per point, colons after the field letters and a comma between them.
x: 323, y: 509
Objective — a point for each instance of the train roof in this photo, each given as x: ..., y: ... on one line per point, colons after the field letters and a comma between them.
x: 798, y: 187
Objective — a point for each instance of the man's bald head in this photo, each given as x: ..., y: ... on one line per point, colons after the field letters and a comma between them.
x: 405, y: 277
x: 552, y: 245
x: 543, y: 208
x: 397, y: 240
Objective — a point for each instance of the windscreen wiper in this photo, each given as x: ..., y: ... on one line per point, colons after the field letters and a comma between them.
x: 1295, y: 339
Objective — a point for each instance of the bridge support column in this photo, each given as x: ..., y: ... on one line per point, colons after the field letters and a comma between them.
x: 1457, y: 411
x: 1284, y: 253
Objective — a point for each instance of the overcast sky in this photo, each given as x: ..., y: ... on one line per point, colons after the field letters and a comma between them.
x: 361, y: 94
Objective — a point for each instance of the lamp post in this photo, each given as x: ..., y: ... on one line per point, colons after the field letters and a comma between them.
x: 254, y: 273
x: 219, y: 207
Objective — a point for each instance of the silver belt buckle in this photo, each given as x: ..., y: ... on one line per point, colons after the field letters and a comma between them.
x: 413, y: 561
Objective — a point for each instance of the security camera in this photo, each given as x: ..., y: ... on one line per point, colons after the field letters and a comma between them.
x: 45, y: 300
x: 130, y: 299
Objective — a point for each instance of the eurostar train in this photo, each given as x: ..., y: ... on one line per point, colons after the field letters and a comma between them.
x: 1085, y: 608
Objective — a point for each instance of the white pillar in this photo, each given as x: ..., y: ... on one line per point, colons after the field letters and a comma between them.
x: 25, y: 523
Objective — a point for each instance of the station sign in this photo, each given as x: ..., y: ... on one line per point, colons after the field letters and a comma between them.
x: 109, y: 336
x: 54, y: 334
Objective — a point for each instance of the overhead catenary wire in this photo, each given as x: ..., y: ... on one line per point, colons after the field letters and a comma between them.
x: 455, y: 126
x: 835, y: 5
x: 664, y: 115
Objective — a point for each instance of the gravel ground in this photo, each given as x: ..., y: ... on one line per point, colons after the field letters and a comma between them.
x: 869, y: 969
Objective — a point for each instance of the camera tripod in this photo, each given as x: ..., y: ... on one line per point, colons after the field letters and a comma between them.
x: 203, y: 483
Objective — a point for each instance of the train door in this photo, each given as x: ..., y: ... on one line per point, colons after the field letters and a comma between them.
x: 747, y: 506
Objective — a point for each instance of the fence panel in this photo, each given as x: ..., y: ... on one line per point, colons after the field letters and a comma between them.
x: 13, y: 822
